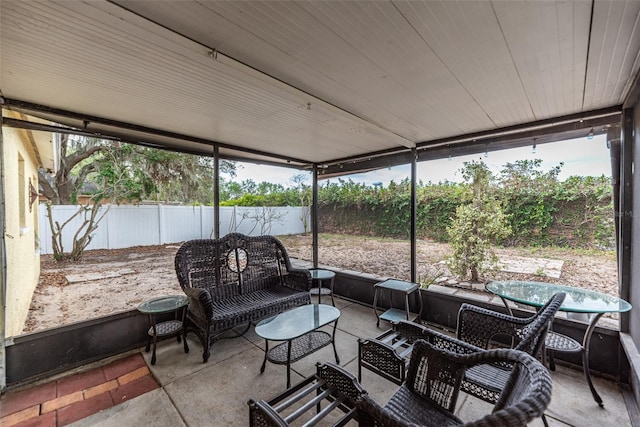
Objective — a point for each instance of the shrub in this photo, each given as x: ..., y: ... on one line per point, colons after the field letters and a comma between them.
x: 476, y: 225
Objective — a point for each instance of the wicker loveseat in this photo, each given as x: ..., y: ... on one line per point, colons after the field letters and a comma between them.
x: 236, y: 280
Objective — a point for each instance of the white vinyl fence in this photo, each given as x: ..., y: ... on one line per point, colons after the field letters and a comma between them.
x: 124, y: 226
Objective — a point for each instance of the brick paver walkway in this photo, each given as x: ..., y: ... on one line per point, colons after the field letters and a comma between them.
x: 77, y: 396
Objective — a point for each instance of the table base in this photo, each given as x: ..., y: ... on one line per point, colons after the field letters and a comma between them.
x: 560, y: 343
x: 164, y: 329
x: 569, y: 345
x: 293, y: 350
x: 322, y: 291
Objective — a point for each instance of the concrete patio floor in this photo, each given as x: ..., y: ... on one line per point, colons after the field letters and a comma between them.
x: 216, y: 393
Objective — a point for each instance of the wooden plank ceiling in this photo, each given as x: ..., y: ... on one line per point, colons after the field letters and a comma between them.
x: 316, y: 81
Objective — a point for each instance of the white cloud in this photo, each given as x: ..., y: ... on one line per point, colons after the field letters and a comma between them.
x: 273, y: 174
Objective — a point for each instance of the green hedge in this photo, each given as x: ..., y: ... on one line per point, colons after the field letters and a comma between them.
x: 542, y: 211
x: 575, y: 213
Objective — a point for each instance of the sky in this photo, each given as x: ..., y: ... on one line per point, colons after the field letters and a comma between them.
x: 582, y: 156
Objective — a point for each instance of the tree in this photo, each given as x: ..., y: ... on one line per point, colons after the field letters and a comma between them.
x: 120, y: 172
x: 265, y: 217
x: 63, y: 188
x: 230, y: 190
x: 529, y: 197
x: 527, y: 176
x: 304, y: 194
x: 137, y: 173
x: 476, y: 225
x: 83, y: 235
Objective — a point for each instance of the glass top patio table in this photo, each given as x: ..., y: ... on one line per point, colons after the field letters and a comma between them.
x: 297, y: 322
x: 165, y: 304
x: 320, y: 274
x: 158, y: 306
x: 577, y: 300
x: 298, y: 328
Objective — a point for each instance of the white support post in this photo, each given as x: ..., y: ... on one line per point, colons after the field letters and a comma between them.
x: 161, y: 224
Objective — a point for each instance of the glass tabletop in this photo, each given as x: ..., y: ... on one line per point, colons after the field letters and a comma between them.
x: 163, y: 304
x: 398, y: 285
x: 577, y: 300
x: 297, y: 322
x: 319, y: 274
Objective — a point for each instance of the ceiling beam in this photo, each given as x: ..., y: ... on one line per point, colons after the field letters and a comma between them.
x: 544, y: 131
x: 88, y: 120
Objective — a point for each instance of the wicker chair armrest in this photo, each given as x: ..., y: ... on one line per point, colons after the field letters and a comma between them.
x: 410, y: 330
x: 477, y: 325
x: 381, y: 349
x: 382, y: 359
x: 345, y: 383
x: 298, y: 278
x: 526, y: 394
x: 371, y: 414
x: 200, y: 303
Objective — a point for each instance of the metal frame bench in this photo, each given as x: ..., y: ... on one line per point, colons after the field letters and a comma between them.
x: 330, y: 389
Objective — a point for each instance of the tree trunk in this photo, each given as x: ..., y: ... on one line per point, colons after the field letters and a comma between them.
x: 81, y: 238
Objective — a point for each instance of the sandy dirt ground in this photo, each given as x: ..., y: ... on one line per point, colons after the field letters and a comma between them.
x: 110, y: 281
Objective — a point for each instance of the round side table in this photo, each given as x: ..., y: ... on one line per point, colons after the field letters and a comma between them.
x: 319, y: 275
x: 162, y: 305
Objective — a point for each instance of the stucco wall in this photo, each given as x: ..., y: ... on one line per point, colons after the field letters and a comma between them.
x: 23, y: 259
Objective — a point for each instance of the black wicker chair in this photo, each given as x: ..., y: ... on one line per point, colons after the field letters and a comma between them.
x: 484, y: 328
x: 388, y: 354
x: 236, y: 280
x: 434, y: 380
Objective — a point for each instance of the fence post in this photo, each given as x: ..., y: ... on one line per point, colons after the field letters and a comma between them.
x: 202, y: 236
x: 161, y: 224
x: 107, y: 221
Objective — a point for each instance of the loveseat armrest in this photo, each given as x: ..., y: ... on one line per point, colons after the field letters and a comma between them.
x: 298, y: 278
x: 200, y: 305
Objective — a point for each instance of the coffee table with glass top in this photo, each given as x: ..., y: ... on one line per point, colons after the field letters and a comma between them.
x: 577, y: 300
x: 298, y: 328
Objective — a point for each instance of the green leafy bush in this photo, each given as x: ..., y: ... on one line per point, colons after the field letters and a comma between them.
x: 476, y: 225
x: 540, y: 210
